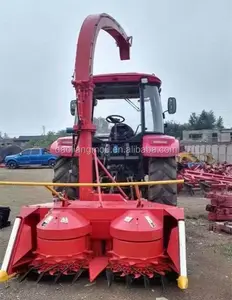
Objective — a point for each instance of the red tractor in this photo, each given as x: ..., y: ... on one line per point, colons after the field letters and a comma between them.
x: 129, y: 154
x: 112, y: 227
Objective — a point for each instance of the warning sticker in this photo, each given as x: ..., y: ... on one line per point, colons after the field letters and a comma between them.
x: 128, y: 219
x: 64, y: 220
x: 149, y: 220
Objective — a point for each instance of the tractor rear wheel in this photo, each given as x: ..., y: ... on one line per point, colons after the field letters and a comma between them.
x: 62, y: 174
x: 163, y: 169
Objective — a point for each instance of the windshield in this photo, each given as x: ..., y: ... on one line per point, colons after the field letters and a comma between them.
x: 130, y: 109
x: 153, y: 109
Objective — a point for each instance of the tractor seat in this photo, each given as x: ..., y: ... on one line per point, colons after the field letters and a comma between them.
x: 123, y: 132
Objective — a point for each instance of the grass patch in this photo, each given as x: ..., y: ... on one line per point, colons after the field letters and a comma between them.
x: 227, y: 250
x: 196, y: 217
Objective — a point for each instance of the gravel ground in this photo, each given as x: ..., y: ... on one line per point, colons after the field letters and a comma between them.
x: 209, y: 255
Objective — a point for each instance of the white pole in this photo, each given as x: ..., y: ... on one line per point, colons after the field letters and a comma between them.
x: 10, y: 246
x: 183, y: 279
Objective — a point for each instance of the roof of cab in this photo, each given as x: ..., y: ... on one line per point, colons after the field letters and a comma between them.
x: 126, y: 77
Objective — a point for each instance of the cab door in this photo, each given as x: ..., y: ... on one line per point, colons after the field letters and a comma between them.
x: 45, y: 157
x: 24, y: 157
x: 35, y: 157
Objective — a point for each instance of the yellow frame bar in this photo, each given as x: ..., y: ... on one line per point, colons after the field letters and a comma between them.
x: 110, y: 184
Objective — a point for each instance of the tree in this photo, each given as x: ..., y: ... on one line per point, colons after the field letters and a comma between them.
x: 102, y: 125
x: 175, y: 129
x: 62, y: 133
x: 4, y: 136
x: 219, y: 123
x: 193, y: 120
x: 205, y: 120
x: 51, y: 136
x: 47, y: 139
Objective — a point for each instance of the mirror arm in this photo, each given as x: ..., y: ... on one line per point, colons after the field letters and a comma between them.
x: 164, y: 113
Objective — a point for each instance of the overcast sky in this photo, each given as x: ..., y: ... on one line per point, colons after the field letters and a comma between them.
x: 188, y: 44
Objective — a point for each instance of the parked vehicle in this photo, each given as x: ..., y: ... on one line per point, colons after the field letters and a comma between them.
x: 31, y: 157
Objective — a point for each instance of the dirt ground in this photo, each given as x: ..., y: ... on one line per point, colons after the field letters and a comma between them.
x: 209, y: 255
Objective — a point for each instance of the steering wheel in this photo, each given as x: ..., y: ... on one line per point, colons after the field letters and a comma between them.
x: 115, y: 119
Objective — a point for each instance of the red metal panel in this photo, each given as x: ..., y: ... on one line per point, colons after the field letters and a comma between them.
x: 173, y: 248
x: 160, y: 146
x: 75, y: 253
x: 125, y: 77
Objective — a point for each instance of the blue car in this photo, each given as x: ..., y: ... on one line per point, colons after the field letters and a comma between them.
x: 31, y: 157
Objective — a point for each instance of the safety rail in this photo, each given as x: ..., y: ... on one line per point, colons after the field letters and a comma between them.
x: 108, y: 184
x: 50, y: 186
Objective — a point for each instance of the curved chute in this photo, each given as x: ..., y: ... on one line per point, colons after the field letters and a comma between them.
x: 83, y: 84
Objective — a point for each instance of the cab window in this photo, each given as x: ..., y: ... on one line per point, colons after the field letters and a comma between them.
x: 35, y: 151
x: 26, y: 152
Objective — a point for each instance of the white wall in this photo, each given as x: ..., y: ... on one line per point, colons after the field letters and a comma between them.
x: 220, y: 153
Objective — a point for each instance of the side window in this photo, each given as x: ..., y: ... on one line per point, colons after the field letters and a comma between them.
x: 26, y: 152
x: 46, y: 151
x: 35, y: 151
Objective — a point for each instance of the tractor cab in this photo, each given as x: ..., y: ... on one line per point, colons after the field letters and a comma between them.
x: 125, y: 108
x: 130, y: 103
x: 129, y: 141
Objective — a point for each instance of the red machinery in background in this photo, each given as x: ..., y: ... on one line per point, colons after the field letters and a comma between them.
x: 216, y: 183
x: 117, y: 229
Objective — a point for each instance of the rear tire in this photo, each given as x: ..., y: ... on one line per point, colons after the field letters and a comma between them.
x: 163, y: 169
x: 62, y: 174
x: 51, y: 163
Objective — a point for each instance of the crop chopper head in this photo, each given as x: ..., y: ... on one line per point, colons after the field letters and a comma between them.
x: 100, y: 219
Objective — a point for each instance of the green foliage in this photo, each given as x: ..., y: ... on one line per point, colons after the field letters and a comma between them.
x: 205, y: 120
x: 51, y: 136
x: 4, y: 136
x: 102, y: 125
x: 175, y: 129
x: 193, y: 120
x: 219, y: 123
x: 47, y: 139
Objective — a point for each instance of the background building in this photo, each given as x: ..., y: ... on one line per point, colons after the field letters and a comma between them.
x: 21, y: 141
x: 211, y: 136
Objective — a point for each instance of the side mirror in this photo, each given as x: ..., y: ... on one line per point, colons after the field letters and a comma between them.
x: 20, y: 153
x: 73, y: 107
x: 171, y: 105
